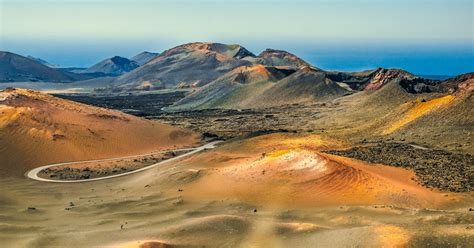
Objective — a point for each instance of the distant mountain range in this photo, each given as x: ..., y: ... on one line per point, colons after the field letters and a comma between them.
x: 223, y: 76
x: 16, y: 68
x: 382, y: 101
x: 117, y: 65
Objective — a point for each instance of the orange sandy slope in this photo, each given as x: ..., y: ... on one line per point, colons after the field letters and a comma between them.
x: 38, y: 129
x: 417, y: 109
x: 279, y: 170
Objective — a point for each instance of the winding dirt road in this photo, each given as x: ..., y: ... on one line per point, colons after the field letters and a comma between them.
x: 33, y: 174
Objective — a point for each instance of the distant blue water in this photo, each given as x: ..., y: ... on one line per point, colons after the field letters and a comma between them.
x: 440, y: 62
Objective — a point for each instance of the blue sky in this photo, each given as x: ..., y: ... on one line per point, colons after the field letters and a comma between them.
x: 422, y: 36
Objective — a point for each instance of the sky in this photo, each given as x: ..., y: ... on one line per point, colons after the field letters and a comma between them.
x: 434, y: 37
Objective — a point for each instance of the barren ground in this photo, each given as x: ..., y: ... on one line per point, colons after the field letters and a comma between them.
x: 234, y: 196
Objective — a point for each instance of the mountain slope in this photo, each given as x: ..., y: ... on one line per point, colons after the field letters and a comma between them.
x: 16, y: 68
x: 113, y: 66
x: 38, y: 129
x: 305, y: 85
x: 193, y: 64
x: 42, y: 61
x: 447, y: 114
x: 441, y: 119
x: 144, y: 57
x: 234, y: 89
x: 259, y: 87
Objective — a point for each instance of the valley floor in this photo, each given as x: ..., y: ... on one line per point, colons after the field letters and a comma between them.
x: 355, y: 118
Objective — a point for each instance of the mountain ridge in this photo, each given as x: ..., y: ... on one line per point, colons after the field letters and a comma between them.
x: 144, y: 57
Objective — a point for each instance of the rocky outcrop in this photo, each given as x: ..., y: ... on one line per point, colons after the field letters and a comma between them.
x: 383, y: 76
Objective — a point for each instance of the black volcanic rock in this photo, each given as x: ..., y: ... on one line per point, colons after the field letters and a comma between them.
x: 382, y: 76
x: 459, y: 84
x: 420, y: 85
x: 371, y: 79
x: 378, y: 78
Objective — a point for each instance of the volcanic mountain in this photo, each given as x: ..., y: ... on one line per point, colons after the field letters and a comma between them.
x: 279, y: 58
x: 16, y: 68
x: 444, y: 111
x: 305, y: 85
x: 113, y: 66
x: 234, y: 89
x: 260, y: 87
x: 459, y: 85
x: 298, y: 82
x: 38, y: 129
x: 144, y: 57
x: 193, y: 64
x: 371, y: 79
x: 197, y: 64
x: 435, y: 113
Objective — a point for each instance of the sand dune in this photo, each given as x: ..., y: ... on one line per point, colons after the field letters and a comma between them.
x: 170, y: 205
x: 289, y: 175
x: 37, y: 129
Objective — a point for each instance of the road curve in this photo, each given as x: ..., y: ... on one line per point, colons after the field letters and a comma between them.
x: 33, y: 174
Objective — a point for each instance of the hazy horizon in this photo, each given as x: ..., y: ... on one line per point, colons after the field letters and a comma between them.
x: 423, y: 37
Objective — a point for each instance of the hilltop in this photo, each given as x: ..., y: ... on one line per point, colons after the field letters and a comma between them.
x: 112, y: 66
x: 188, y: 65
